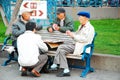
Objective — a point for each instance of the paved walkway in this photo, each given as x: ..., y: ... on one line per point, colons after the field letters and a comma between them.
x: 11, y: 72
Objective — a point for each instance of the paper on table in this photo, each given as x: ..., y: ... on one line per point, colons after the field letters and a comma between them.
x: 54, y: 45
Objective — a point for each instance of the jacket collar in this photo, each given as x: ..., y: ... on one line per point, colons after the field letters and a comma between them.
x: 22, y: 20
x: 87, y: 23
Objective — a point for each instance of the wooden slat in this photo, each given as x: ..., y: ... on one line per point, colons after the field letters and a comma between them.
x: 52, y: 53
x: 55, y: 36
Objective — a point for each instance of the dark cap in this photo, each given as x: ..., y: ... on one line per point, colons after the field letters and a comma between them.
x: 84, y: 13
x: 60, y: 10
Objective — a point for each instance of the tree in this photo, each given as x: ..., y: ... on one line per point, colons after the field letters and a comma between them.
x: 14, y: 16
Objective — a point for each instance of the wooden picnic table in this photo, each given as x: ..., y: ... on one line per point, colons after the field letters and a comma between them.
x: 55, y: 38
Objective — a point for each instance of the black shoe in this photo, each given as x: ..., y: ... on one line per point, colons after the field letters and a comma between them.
x: 62, y: 74
x: 44, y: 71
x: 24, y: 72
x: 29, y: 69
x: 53, y: 69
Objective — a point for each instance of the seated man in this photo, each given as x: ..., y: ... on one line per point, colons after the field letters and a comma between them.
x: 31, y: 50
x: 62, y: 22
x: 83, y: 36
x: 18, y: 26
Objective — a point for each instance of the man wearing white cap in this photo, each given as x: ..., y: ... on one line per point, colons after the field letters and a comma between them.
x: 18, y: 26
x: 83, y: 36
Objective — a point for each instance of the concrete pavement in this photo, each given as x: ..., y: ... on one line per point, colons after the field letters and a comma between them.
x: 11, y: 72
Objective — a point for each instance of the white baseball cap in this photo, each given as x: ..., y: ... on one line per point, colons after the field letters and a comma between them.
x: 25, y: 10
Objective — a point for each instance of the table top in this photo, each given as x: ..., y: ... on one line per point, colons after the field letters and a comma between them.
x: 55, y: 37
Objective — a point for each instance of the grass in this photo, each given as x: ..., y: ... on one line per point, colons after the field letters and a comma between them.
x: 2, y: 30
x: 107, y: 40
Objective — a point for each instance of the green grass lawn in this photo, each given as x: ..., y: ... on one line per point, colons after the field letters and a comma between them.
x: 2, y: 30
x: 107, y: 40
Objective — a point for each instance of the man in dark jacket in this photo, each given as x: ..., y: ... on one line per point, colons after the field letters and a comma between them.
x: 61, y: 23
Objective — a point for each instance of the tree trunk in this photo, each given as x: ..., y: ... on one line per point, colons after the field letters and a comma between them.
x: 14, y: 16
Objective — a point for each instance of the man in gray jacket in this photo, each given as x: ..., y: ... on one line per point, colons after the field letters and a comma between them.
x: 18, y: 26
x: 62, y: 22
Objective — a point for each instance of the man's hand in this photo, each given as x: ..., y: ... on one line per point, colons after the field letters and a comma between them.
x: 69, y: 33
x: 56, y: 27
x: 50, y: 30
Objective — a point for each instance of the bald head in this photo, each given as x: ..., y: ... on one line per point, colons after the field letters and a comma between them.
x: 26, y: 15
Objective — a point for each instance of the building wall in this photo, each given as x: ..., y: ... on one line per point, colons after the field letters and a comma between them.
x: 96, y: 13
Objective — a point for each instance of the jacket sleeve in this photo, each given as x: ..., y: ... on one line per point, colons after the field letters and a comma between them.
x: 83, y: 36
x: 69, y: 25
x: 42, y: 46
x: 17, y: 30
x: 54, y: 21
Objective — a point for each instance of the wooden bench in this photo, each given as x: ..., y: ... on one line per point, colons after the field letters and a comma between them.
x: 58, y: 37
x: 62, y: 37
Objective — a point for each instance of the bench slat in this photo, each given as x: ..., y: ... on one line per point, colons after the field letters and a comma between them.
x: 52, y: 53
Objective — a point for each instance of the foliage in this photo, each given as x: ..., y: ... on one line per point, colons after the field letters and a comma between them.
x: 2, y: 30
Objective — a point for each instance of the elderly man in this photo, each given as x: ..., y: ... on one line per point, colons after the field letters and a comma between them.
x: 32, y: 50
x: 83, y: 36
x: 62, y: 22
x: 18, y: 26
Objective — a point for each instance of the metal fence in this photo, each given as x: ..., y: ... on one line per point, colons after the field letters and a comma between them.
x: 8, y: 6
x: 88, y: 3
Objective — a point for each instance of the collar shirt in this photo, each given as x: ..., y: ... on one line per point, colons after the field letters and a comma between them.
x: 28, y: 45
x: 83, y: 37
x: 62, y: 22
